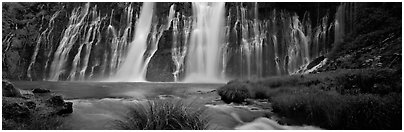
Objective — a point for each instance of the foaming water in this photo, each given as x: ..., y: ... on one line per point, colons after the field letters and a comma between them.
x: 257, y: 122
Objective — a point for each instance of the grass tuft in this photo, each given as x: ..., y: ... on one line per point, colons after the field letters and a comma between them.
x: 163, y: 115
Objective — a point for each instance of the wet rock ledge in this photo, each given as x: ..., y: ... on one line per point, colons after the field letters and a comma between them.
x: 36, y: 109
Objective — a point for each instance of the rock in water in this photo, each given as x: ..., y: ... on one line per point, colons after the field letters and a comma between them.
x: 67, y: 108
x: 60, y: 105
x: 9, y: 90
x: 56, y: 101
x: 40, y: 90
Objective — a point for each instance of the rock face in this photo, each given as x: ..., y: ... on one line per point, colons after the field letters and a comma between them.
x: 40, y: 109
x: 67, y: 108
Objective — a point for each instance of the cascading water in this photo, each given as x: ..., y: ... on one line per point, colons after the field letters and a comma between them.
x: 203, y: 62
x: 132, y: 68
x: 179, y: 48
x: 252, y: 36
x: 92, y: 37
x: 119, y: 42
x: 279, y: 45
x: 82, y: 38
x: 344, y: 21
x: 207, y: 46
x: 298, y: 52
x: 71, y: 35
x: 44, y: 36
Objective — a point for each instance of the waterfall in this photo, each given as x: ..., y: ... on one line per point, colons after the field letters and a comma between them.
x: 132, y: 67
x: 181, y: 32
x: 298, y: 52
x: 279, y: 45
x: 71, y: 35
x: 209, y: 45
x: 253, y: 34
x: 92, y: 36
x: 119, y: 42
x: 226, y: 51
x: 44, y: 36
x: 203, y: 63
x: 344, y: 21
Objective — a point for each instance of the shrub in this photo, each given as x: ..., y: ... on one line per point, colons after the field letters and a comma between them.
x: 369, y: 111
x: 310, y: 107
x: 334, y: 111
x: 163, y: 115
x: 235, y: 91
x: 373, y: 81
x: 279, y: 81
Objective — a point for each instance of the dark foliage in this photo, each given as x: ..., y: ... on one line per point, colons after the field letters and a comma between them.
x: 234, y: 91
x: 334, y: 111
x: 341, y: 99
x: 34, y: 121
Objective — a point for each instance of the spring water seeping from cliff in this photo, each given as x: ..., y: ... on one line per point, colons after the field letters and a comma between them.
x: 207, y: 42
